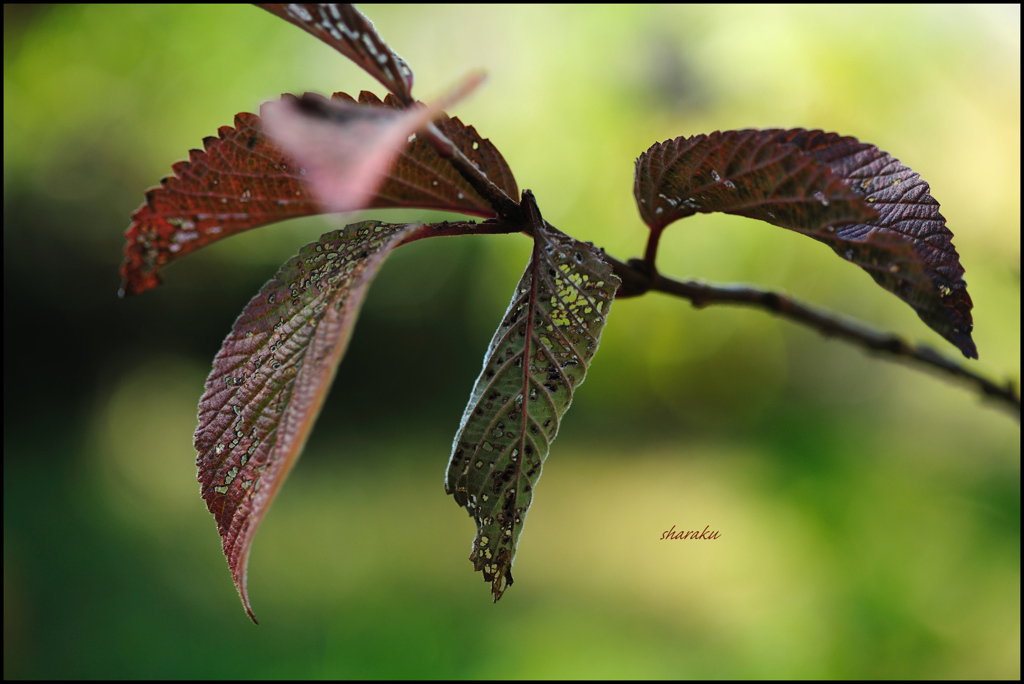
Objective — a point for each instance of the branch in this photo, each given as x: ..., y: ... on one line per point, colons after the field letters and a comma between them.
x: 638, y: 277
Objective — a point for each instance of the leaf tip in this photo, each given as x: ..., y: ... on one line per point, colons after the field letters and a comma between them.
x: 500, y: 583
x: 240, y: 573
x: 965, y: 344
x: 135, y: 280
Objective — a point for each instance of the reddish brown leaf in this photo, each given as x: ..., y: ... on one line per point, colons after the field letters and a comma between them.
x: 745, y: 173
x: 272, y: 374
x: 345, y: 29
x: 421, y: 178
x: 242, y: 180
x: 869, y: 208
x: 239, y: 181
x: 348, y: 148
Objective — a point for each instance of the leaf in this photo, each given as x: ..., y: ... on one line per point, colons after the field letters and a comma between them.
x: 538, y: 357
x: 905, y: 207
x: 348, y: 148
x: 242, y: 180
x: 422, y: 178
x: 271, y: 376
x: 864, y: 204
x: 745, y: 173
x: 348, y: 31
x: 239, y: 181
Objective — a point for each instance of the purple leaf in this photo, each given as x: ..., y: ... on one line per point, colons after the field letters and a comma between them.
x: 862, y: 202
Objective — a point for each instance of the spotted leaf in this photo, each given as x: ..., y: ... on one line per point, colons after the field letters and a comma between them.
x: 348, y: 148
x: 864, y: 204
x: 348, y: 31
x: 272, y: 374
x: 422, y: 178
x: 538, y: 357
x: 242, y: 180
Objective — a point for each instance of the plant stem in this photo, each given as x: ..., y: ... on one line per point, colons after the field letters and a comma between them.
x: 638, y: 278
x: 651, y: 251
x: 636, y: 281
x: 455, y: 228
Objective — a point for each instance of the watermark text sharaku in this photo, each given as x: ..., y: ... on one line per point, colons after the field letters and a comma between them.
x: 672, y: 533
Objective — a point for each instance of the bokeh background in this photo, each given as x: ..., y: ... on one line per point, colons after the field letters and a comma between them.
x: 869, y: 513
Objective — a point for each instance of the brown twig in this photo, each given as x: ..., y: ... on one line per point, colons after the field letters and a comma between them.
x: 637, y: 279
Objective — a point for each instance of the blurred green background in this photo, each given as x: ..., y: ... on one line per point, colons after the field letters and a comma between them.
x: 869, y: 513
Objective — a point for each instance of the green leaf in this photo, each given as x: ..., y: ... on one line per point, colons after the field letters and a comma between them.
x: 538, y: 357
x: 272, y: 374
